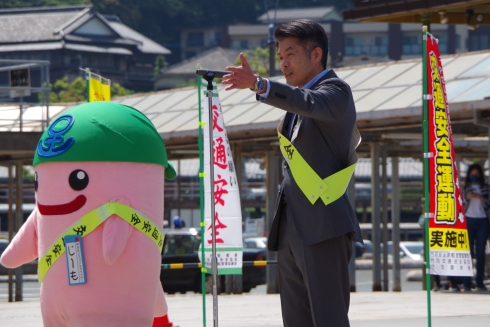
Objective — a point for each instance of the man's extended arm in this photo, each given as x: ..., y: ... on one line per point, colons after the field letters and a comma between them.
x: 326, y: 103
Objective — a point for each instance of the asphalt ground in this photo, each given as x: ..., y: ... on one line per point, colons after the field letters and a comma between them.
x: 381, y: 309
x: 364, y: 281
x: 368, y: 309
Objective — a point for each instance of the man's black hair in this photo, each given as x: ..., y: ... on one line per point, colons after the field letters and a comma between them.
x: 310, y: 34
x: 480, y: 172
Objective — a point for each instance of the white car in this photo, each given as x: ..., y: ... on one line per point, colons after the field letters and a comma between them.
x: 412, y: 250
x: 255, y: 242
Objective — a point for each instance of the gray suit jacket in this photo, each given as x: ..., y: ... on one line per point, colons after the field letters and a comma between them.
x: 328, y: 118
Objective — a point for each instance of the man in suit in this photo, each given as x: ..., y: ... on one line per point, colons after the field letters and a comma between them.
x: 313, y: 240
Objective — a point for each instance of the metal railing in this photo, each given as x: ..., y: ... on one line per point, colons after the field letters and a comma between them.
x: 258, y: 263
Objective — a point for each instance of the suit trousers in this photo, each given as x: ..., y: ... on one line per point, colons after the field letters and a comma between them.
x: 313, y: 279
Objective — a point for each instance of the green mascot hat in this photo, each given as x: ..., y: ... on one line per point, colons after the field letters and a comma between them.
x: 103, y: 131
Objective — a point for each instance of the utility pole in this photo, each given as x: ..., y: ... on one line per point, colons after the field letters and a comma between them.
x: 272, y: 50
x: 270, y: 40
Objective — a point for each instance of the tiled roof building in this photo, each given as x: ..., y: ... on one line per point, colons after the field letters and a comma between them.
x: 78, y: 36
x: 214, y: 59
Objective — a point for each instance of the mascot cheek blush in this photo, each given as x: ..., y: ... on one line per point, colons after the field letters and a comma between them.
x: 97, y: 226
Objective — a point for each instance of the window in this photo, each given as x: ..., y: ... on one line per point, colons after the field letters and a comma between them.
x: 411, y: 44
x: 195, y: 39
x: 218, y: 38
x: 181, y: 244
x: 442, y: 43
x: 239, y: 44
x: 353, y: 46
x: 478, y: 42
x: 66, y: 61
x: 373, y: 46
x: 380, y: 47
x: 264, y: 44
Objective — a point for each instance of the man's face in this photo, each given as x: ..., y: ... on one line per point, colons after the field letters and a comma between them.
x: 297, y: 66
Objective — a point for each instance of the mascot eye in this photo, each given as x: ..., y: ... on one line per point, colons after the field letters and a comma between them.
x: 36, y: 183
x: 78, y: 180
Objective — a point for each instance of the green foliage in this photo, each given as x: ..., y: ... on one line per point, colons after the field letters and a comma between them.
x: 160, y: 64
x: 76, y: 91
x: 27, y: 174
x: 258, y: 60
x: 192, y: 82
x: 71, y: 92
x: 117, y: 90
x: 64, y: 91
x: 189, y: 83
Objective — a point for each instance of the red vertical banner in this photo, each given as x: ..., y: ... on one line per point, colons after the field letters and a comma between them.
x: 448, y: 236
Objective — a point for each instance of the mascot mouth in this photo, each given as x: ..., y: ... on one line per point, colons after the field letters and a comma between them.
x: 63, y: 209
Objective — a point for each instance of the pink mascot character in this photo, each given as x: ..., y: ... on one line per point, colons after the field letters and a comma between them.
x: 97, y: 226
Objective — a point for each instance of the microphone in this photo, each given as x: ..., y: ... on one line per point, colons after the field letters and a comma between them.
x: 212, y: 73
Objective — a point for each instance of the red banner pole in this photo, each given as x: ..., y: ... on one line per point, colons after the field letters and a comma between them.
x: 426, y: 169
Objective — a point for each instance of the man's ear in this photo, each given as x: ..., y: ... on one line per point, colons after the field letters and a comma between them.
x: 316, y: 55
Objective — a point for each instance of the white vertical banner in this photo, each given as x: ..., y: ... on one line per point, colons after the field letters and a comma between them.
x: 228, y: 212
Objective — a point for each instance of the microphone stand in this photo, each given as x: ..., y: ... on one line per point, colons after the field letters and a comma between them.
x: 209, y: 77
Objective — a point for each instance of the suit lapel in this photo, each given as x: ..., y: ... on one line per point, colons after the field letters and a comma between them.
x: 287, y: 124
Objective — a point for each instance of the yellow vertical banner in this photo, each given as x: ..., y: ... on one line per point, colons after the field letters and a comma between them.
x: 99, y: 89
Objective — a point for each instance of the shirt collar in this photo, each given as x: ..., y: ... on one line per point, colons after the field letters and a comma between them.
x: 315, y: 79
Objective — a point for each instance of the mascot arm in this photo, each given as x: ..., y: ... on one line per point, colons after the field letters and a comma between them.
x: 23, y: 247
x: 114, y: 239
x: 115, y: 235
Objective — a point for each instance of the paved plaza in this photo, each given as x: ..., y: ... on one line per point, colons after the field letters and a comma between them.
x: 263, y: 310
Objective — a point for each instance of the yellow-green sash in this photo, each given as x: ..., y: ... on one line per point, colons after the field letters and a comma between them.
x: 313, y: 186
x: 89, y: 222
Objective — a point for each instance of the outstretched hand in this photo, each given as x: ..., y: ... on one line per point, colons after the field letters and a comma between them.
x: 241, y: 77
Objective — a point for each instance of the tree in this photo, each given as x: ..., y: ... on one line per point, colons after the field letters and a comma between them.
x: 76, y: 91
x: 258, y: 60
x: 160, y: 64
x: 119, y: 90
x: 193, y: 82
x: 28, y: 173
x: 70, y: 92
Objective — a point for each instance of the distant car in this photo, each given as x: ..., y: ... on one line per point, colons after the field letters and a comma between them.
x: 408, y: 250
x: 368, y: 245
x: 411, y: 250
x: 363, y: 250
x: 255, y: 242
x: 182, y: 246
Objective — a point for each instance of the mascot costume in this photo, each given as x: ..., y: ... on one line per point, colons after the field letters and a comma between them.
x: 97, y: 227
